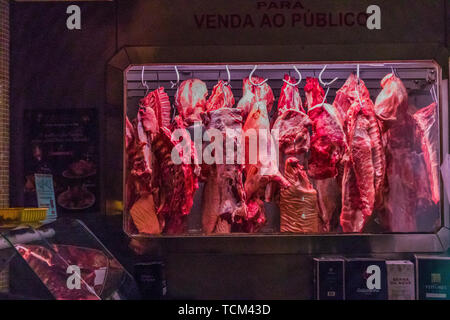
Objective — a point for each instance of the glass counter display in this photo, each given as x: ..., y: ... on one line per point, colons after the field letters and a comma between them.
x: 62, y: 260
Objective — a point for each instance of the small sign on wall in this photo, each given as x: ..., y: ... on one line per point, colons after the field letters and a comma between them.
x: 46, y: 194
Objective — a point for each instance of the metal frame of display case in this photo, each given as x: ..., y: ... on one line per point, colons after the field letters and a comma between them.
x: 238, y: 243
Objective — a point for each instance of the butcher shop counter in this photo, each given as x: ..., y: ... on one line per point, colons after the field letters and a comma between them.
x: 252, y: 267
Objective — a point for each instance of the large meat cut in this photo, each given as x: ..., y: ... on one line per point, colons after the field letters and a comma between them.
x: 190, y: 100
x: 51, y: 264
x: 158, y: 190
x: 223, y: 194
x: 427, y: 130
x: 252, y: 94
x: 328, y: 141
x: 364, y: 172
x: 410, y: 148
x: 298, y: 203
x: 328, y: 148
x: 290, y: 96
x: 221, y: 97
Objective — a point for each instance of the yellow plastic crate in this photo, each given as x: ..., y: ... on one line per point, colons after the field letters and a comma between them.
x: 33, y: 214
x: 23, y: 214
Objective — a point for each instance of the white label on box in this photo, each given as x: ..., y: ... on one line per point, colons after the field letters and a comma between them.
x: 436, y: 295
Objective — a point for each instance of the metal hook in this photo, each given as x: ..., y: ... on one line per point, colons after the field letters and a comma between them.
x: 394, y: 72
x: 144, y: 83
x: 323, y: 83
x: 229, y: 75
x: 251, y: 75
x: 174, y: 84
x: 433, y: 94
x: 357, y: 72
x: 299, y: 78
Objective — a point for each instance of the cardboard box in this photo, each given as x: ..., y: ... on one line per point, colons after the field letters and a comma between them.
x: 329, y: 277
x: 432, y: 277
x: 365, y: 279
x: 400, y: 280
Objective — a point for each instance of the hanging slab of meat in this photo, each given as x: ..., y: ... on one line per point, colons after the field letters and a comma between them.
x: 328, y: 141
x: 298, y: 203
x: 252, y: 94
x: 392, y: 99
x: 364, y: 173
x: 221, y: 97
x: 328, y: 199
x: 50, y: 265
x: 289, y: 97
x: 190, y: 100
x: 223, y: 194
x: 427, y: 129
x: 139, y: 158
x: 144, y: 215
x: 177, y: 184
x: 293, y: 132
x: 346, y: 95
x: 328, y: 147
x: 314, y: 92
x: 158, y: 100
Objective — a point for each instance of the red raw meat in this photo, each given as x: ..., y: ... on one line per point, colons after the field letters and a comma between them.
x: 252, y: 94
x: 328, y: 142
x: 158, y: 100
x: 293, y: 132
x: 364, y: 173
x: 266, y: 161
x: 289, y: 97
x: 177, y: 184
x: 427, y: 129
x: 190, y: 100
x: 392, y: 99
x: 50, y: 265
x: 347, y: 95
x: 223, y: 194
x: 298, y: 203
x: 314, y: 92
x: 153, y: 178
x: 221, y: 97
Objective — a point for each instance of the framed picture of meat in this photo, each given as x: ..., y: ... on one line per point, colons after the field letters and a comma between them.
x: 289, y: 154
x: 64, y: 144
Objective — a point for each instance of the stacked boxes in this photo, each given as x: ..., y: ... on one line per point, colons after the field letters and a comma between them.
x: 337, y: 278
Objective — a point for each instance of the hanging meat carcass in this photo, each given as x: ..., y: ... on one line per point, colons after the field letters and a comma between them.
x: 221, y: 97
x: 328, y: 142
x: 328, y: 147
x: 168, y: 187
x: 223, y: 194
x: 406, y: 161
x: 289, y: 97
x: 427, y: 129
x: 364, y: 172
x: 255, y: 93
x: 298, y: 202
x: 190, y: 101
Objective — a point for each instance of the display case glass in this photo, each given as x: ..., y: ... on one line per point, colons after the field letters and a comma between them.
x: 283, y: 148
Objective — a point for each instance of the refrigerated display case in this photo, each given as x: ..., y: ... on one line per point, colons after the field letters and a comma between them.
x: 418, y: 71
x: 422, y: 80
x: 61, y: 260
